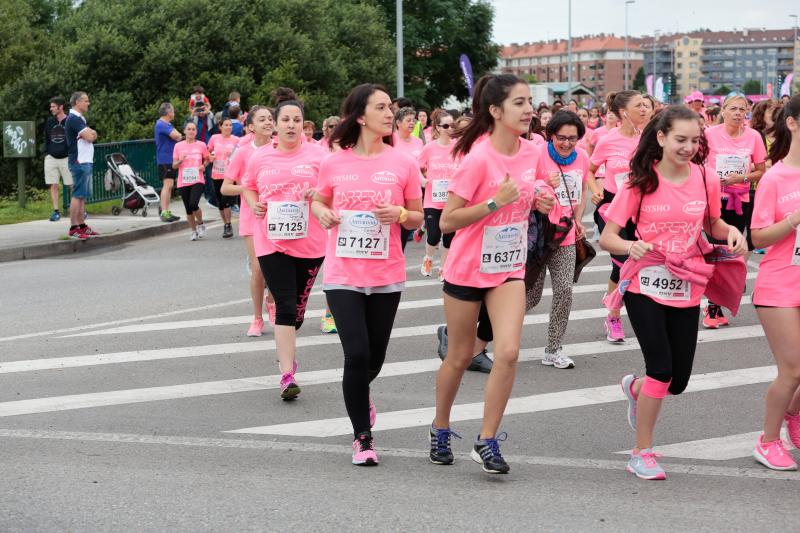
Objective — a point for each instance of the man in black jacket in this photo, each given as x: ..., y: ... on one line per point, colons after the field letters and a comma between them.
x: 55, y: 149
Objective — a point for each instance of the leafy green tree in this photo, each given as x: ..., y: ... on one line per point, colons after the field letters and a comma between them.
x: 722, y: 90
x: 435, y: 34
x: 751, y: 87
x: 639, y: 81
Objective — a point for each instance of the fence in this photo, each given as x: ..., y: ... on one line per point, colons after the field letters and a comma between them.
x: 140, y: 154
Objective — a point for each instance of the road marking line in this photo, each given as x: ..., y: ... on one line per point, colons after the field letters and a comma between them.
x: 715, y: 449
x: 316, y: 377
x: 345, y: 450
x: 528, y: 404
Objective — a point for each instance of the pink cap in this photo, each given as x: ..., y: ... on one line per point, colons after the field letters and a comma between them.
x: 697, y: 95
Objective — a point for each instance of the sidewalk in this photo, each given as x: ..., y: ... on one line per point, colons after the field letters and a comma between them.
x: 42, y: 238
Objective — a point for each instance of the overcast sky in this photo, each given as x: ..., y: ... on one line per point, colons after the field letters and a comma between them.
x: 534, y: 20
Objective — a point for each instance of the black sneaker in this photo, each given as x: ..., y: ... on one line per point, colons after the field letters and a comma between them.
x: 227, y: 231
x: 441, y: 334
x: 486, y: 452
x: 481, y: 363
x: 441, y: 453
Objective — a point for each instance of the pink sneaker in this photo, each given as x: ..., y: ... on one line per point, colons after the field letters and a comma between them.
x: 256, y: 327
x: 289, y: 387
x: 614, y: 331
x: 270, y: 307
x: 364, y: 451
x: 793, y: 429
x: 373, y: 414
x: 773, y: 455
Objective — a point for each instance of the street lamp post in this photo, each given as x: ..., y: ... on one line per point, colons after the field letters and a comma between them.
x: 794, y: 50
x: 399, y: 16
x: 626, y: 69
x: 655, y: 45
x: 569, y: 50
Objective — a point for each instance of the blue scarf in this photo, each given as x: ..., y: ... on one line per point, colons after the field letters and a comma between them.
x: 555, y: 156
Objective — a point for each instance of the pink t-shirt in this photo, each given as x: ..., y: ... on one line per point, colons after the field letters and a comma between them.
x: 538, y: 140
x: 235, y: 172
x: 594, y: 138
x: 439, y: 167
x: 247, y: 139
x: 778, y: 277
x: 282, y: 181
x: 570, y: 191
x: 413, y: 147
x: 616, y: 151
x: 356, y: 184
x: 222, y: 147
x: 493, y: 249
x: 727, y: 155
x: 671, y: 220
x: 192, y: 166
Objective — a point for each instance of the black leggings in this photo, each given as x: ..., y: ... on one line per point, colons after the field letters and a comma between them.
x: 191, y: 194
x: 223, y: 202
x: 628, y: 232
x: 364, y: 324
x: 290, y: 282
x: 432, y: 217
x: 667, y: 336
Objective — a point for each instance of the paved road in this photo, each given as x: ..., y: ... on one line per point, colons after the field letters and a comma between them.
x: 131, y: 400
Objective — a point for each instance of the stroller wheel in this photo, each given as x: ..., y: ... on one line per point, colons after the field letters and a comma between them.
x: 144, y: 212
x: 116, y: 211
x: 134, y: 211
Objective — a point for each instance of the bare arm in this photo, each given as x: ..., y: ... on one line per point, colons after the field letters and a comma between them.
x: 775, y: 233
x: 455, y: 216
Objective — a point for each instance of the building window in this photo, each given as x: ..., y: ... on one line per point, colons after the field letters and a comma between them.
x: 679, y: 54
x: 693, y: 54
x: 748, y: 63
x: 679, y: 66
x: 760, y: 51
x: 727, y: 64
x: 760, y: 63
x: 693, y: 75
x: 693, y: 64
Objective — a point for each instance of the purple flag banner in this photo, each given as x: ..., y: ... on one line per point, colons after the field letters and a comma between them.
x: 466, y: 69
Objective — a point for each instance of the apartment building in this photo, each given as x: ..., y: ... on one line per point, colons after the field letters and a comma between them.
x: 598, y: 61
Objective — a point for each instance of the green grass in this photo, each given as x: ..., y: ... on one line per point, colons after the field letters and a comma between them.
x: 39, y: 207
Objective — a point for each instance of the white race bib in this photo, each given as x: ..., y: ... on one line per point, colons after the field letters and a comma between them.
x: 439, y: 190
x: 362, y: 236
x: 569, y: 190
x: 731, y: 164
x: 796, y: 250
x: 191, y: 175
x: 620, y: 179
x: 658, y: 282
x: 220, y: 165
x: 287, y: 220
x: 504, y: 248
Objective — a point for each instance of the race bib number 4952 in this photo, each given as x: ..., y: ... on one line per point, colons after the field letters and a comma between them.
x: 658, y: 282
x: 362, y: 236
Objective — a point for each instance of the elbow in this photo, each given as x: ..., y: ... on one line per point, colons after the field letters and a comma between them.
x: 757, y: 238
x: 604, y: 244
x: 444, y: 225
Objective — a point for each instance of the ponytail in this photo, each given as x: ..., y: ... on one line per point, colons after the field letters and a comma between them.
x: 643, y: 174
x: 783, y: 135
x: 491, y: 90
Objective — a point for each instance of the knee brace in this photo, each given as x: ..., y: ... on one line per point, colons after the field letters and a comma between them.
x: 654, y: 388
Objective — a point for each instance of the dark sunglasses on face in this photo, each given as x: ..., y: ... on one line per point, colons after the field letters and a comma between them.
x: 444, y: 126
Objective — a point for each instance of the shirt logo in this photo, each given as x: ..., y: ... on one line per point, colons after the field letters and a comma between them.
x: 662, y: 208
x: 344, y: 178
x: 303, y: 171
x: 529, y: 176
x: 695, y: 208
x: 384, y: 177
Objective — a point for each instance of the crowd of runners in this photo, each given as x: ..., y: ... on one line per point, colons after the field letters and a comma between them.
x: 680, y: 194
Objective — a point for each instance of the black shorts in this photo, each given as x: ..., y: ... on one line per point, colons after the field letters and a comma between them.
x: 166, y: 172
x: 469, y: 294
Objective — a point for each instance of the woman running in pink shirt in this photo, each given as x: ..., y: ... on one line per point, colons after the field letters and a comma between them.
x: 367, y: 191
x: 671, y: 200
x: 190, y: 157
x: 490, y: 199
x: 220, y: 147
x: 289, y: 245
x: 261, y: 123
x: 776, y: 218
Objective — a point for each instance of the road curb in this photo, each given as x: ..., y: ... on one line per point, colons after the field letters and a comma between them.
x: 66, y: 247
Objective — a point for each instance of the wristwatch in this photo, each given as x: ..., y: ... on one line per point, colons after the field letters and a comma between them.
x: 746, y: 180
x: 492, y: 205
x: 403, y: 215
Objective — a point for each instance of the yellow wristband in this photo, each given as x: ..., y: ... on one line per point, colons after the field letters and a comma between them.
x: 403, y: 215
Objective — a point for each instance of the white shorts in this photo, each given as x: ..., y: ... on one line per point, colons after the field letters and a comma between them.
x: 56, y: 168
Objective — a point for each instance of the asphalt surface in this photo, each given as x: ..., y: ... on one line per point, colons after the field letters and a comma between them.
x: 124, y: 371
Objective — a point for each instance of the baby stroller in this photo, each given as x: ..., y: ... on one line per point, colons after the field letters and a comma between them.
x: 137, y: 194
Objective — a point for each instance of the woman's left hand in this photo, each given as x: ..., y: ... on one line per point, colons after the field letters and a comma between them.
x: 309, y: 194
x: 580, y: 231
x: 387, y: 213
x: 554, y: 180
x: 732, y: 179
x: 545, y: 203
x: 736, y: 241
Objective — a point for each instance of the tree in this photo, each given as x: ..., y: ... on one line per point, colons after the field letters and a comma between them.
x: 722, y: 90
x: 131, y: 56
x: 435, y: 34
x: 530, y: 78
x: 639, y: 81
x: 751, y: 87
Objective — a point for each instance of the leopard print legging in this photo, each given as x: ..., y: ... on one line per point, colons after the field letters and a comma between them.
x: 562, y: 268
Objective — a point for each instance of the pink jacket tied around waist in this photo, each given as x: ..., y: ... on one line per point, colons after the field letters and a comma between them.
x: 735, y: 198
x: 721, y: 277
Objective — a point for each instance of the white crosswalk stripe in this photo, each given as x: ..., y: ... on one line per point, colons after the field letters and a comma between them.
x: 714, y: 449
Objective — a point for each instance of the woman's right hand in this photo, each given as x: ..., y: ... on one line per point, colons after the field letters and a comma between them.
x: 597, y: 197
x: 259, y: 209
x: 328, y: 218
x: 638, y: 249
x: 508, y: 193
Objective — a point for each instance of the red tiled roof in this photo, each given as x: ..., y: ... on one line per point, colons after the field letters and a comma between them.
x: 556, y: 47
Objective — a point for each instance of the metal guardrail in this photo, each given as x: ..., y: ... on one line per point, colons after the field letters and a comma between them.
x: 141, y: 155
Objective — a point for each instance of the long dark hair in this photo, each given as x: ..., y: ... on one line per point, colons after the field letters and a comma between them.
x: 348, y: 131
x: 490, y: 90
x: 783, y: 137
x: 759, y: 122
x: 643, y: 175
